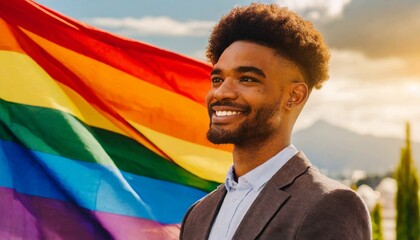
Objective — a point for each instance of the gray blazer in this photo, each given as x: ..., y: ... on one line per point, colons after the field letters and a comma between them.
x: 298, y: 202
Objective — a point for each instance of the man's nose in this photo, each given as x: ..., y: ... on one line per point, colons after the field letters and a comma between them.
x: 226, y: 90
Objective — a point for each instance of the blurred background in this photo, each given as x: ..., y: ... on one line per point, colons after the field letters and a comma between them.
x: 353, y: 129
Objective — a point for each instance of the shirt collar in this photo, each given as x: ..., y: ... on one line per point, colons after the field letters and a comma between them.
x: 258, y: 177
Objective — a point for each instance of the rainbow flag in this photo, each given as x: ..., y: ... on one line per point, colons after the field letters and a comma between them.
x: 101, y: 137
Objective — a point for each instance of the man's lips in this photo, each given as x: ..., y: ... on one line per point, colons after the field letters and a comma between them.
x: 227, y: 110
x: 226, y: 113
x: 221, y: 113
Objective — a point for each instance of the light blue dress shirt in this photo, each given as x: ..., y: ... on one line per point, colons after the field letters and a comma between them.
x: 240, y: 195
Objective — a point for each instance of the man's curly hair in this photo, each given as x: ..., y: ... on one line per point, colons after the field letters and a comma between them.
x: 278, y: 28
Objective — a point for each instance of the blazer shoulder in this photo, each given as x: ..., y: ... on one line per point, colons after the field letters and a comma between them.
x: 315, y: 184
x: 337, y: 213
x: 201, y: 201
x: 199, y: 217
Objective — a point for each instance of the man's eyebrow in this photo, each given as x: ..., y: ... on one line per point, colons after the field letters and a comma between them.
x: 216, y: 71
x: 244, y: 69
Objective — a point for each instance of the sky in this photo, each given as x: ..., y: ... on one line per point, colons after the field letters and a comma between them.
x: 374, y: 85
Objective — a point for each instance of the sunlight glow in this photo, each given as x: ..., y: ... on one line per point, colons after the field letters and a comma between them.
x: 413, y: 88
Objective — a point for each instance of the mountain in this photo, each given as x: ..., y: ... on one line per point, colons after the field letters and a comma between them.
x: 335, y: 150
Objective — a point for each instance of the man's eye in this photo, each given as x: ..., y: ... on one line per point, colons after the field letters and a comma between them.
x: 247, y: 79
x: 216, y: 80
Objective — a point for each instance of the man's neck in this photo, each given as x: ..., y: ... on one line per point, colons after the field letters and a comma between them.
x: 251, y: 155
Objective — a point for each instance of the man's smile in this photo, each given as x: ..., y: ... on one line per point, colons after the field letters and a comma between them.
x: 226, y: 113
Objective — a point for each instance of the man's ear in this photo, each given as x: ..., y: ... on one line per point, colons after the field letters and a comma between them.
x: 298, y: 95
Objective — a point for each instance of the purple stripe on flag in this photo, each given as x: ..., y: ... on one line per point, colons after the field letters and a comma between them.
x: 126, y: 227
x: 29, y: 217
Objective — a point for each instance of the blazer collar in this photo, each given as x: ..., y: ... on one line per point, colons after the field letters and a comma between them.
x: 271, y: 198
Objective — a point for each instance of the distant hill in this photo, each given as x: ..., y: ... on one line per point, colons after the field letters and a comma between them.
x: 335, y: 149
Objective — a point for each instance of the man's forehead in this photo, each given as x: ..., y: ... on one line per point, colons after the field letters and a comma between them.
x: 244, y: 53
x: 246, y: 57
x: 247, y: 51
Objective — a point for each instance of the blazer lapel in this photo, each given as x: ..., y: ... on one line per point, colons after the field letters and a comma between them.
x: 271, y: 198
x: 208, y: 212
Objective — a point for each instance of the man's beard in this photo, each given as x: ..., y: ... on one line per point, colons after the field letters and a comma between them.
x: 256, y: 129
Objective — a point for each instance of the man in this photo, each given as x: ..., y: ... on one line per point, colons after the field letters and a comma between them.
x: 266, y: 62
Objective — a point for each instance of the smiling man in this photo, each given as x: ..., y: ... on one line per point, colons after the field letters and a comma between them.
x: 266, y: 62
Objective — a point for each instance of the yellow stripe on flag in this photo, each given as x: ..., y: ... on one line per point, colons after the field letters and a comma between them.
x: 27, y: 83
x: 205, y: 162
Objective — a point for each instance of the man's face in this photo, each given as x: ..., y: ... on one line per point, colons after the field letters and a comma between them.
x: 247, y: 96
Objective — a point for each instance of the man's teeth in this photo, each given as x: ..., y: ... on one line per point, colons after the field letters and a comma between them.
x: 226, y: 113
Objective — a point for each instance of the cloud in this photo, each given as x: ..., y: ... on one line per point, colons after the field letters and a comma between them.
x: 316, y: 9
x: 154, y: 26
x: 356, y: 65
x: 366, y: 108
x: 378, y: 28
x: 366, y: 95
x: 199, y: 54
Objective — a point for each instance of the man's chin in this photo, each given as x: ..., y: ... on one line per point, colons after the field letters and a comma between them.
x: 218, y: 141
x: 221, y: 137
